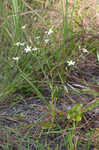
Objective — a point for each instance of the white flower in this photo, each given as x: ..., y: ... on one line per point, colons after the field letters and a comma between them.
x: 17, y: 44
x: 23, y: 27
x: 38, y: 37
x: 28, y: 49
x: 35, y: 49
x: 15, y: 58
x: 71, y: 63
x: 50, y: 31
x: 46, y: 32
x: 84, y: 50
x: 47, y: 40
x: 20, y: 44
x: 79, y: 47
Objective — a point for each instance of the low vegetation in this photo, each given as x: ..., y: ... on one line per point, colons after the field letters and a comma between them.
x: 49, y: 79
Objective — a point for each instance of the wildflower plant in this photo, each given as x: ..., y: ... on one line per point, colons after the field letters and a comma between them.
x: 71, y: 63
x: 15, y: 58
x: 23, y: 27
x: 47, y: 41
x: 29, y: 68
x: 50, y: 31
x: 28, y: 49
x: 20, y: 44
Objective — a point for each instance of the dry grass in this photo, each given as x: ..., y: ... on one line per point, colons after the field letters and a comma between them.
x: 86, y: 13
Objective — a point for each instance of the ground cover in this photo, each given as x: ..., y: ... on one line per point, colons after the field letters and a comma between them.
x: 49, y: 61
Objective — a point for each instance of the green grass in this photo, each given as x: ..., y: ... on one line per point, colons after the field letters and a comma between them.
x: 45, y: 66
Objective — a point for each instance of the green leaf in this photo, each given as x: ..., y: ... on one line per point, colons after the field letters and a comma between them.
x: 75, y: 114
x: 78, y: 118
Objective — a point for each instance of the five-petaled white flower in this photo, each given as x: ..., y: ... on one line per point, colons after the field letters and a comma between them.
x: 15, y: 58
x: 35, y: 49
x: 50, y: 31
x: 23, y: 27
x: 20, y: 44
x: 71, y: 63
x: 38, y: 37
x: 84, y: 50
x: 28, y: 49
x: 17, y: 44
x: 47, y: 41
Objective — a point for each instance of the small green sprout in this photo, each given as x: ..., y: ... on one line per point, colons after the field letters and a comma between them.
x: 75, y: 113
